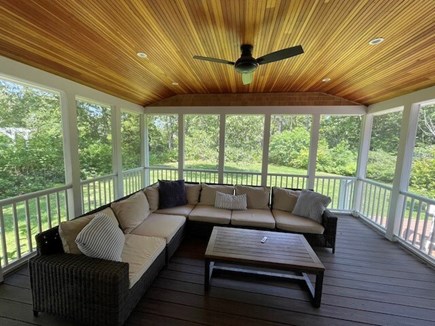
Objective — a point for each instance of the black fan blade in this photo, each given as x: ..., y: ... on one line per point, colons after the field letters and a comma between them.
x: 280, y: 55
x: 247, y: 78
x: 213, y: 60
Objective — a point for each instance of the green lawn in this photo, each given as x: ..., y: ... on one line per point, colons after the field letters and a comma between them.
x: 38, y: 217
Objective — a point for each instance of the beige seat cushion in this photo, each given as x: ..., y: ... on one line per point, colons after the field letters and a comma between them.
x: 178, y: 210
x: 152, y: 193
x: 159, y: 225
x: 261, y: 218
x: 69, y: 230
x: 193, y: 191
x: 140, y: 252
x: 210, y: 214
x: 257, y: 197
x: 293, y: 223
x: 284, y: 199
x: 208, y: 193
x: 131, y: 211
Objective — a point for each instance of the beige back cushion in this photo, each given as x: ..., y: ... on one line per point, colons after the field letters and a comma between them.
x: 69, y: 230
x: 152, y: 193
x: 192, y: 192
x: 131, y: 211
x: 257, y: 197
x: 208, y: 193
x: 284, y: 199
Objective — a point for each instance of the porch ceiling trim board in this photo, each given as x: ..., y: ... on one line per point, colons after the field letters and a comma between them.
x: 422, y: 97
x: 348, y: 110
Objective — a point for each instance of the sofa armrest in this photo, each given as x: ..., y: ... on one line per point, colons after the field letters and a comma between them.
x: 329, y: 222
x: 65, y: 282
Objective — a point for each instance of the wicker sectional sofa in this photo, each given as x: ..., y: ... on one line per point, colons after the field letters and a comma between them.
x: 95, y: 291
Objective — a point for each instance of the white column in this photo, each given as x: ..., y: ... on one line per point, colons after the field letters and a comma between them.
x: 71, y: 153
x: 314, y: 144
x: 145, y: 157
x: 266, y: 140
x: 181, y: 146
x: 408, y: 133
x: 221, y: 148
x: 116, y: 151
x: 363, y: 155
x: 143, y: 149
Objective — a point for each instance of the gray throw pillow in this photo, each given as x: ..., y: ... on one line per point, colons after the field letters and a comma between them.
x: 312, y: 205
x: 101, y: 238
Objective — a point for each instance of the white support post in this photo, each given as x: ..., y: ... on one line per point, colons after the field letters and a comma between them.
x: 116, y: 151
x: 402, y: 173
x: 221, y: 148
x: 71, y: 153
x: 145, y: 157
x: 143, y: 149
x: 266, y: 140
x: 180, y: 146
x: 363, y: 155
x: 314, y: 144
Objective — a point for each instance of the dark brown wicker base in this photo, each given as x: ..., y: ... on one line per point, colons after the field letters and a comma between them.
x: 87, y: 290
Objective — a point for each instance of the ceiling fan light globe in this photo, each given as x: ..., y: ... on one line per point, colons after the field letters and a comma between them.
x: 246, y: 65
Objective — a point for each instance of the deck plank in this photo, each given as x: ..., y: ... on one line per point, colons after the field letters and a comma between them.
x: 368, y: 281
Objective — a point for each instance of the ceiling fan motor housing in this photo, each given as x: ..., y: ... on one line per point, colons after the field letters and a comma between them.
x: 246, y: 63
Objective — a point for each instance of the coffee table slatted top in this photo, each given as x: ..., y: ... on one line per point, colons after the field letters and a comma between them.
x: 281, y: 250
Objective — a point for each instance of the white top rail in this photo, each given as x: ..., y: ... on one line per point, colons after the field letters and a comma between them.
x: 375, y: 183
x: 418, y: 197
x: 133, y: 170
x: 32, y: 195
x: 104, y: 177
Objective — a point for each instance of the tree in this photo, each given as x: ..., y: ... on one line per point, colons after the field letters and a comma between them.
x: 31, y: 148
x: 289, y: 148
x: 163, y: 139
x: 95, y: 139
x: 130, y: 140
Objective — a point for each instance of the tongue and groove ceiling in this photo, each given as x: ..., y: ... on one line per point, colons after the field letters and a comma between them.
x: 95, y: 42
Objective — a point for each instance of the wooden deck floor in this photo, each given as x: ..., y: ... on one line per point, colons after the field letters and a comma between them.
x: 369, y: 280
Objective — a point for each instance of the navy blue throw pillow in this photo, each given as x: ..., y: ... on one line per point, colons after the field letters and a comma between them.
x: 172, y: 193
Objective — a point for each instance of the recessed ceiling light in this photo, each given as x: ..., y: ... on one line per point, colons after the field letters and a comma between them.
x: 326, y: 79
x: 376, y: 41
x: 175, y: 83
x: 142, y: 55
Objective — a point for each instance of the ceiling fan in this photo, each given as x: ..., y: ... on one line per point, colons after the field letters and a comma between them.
x: 247, y: 64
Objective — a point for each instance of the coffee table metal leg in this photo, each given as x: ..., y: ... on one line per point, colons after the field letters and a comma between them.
x: 318, y: 290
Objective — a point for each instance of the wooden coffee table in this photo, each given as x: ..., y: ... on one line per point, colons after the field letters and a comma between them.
x: 281, y: 251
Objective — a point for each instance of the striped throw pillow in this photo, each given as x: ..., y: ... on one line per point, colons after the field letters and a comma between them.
x: 101, y: 238
x: 228, y: 201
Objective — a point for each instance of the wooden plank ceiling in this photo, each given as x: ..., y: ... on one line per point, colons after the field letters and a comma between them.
x: 95, y: 42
